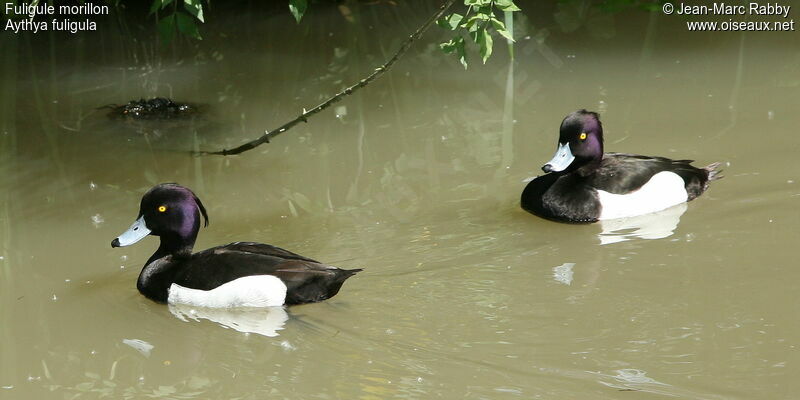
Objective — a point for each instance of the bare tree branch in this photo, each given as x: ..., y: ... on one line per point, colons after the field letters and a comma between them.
x: 265, y: 138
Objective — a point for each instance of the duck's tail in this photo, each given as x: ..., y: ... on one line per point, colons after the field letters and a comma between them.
x: 338, y: 280
x: 713, y: 172
x: 349, y: 272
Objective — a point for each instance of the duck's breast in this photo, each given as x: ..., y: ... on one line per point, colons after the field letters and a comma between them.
x: 248, y: 291
x: 665, y: 189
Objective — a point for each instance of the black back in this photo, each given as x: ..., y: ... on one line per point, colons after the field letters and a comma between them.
x: 621, y: 173
x: 306, y: 280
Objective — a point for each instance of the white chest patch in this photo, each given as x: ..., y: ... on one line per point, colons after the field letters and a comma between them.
x: 663, y: 190
x: 248, y: 291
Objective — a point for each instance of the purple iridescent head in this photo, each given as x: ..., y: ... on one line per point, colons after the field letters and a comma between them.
x: 579, y: 143
x: 167, y: 210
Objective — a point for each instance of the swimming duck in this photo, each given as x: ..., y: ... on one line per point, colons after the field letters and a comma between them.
x: 583, y: 184
x: 241, y: 274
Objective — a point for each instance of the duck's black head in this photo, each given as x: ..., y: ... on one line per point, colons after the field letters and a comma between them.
x: 580, y: 142
x: 170, y: 211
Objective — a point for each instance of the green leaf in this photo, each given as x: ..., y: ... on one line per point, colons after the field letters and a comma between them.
x: 155, y: 6
x: 187, y: 26
x: 485, y: 12
x: 165, y: 3
x: 166, y: 28
x: 195, y: 7
x: 456, y: 45
x: 451, y: 21
x: 461, y: 52
x: 298, y: 8
x: 506, y: 34
x: 506, y: 5
x: 485, y: 42
x: 448, y: 47
x: 472, y: 22
x: 500, y: 27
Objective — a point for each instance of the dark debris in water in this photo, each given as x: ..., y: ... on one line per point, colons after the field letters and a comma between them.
x: 152, y: 109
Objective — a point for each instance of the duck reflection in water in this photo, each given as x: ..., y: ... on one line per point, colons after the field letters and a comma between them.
x: 657, y: 225
x: 265, y: 321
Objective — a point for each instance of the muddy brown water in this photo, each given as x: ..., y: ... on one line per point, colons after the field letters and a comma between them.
x: 416, y: 179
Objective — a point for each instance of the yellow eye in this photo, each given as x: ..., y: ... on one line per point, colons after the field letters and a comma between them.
x: 583, y: 135
x: 162, y: 208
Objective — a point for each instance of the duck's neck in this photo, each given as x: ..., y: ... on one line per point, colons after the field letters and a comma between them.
x: 174, y: 245
x: 589, y: 167
x: 163, y: 266
x: 160, y: 270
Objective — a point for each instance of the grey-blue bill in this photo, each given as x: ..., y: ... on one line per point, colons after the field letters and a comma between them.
x: 135, y: 233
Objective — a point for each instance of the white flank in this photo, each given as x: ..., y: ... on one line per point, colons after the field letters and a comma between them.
x: 663, y: 190
x: 248, y: 291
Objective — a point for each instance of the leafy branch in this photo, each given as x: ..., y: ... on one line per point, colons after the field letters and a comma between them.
x: 476, y: 25
x: 180, y: 20
x: 303, y: 117
x: 298, y: 8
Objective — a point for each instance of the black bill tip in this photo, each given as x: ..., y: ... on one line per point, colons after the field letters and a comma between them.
x: 115, y: 242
